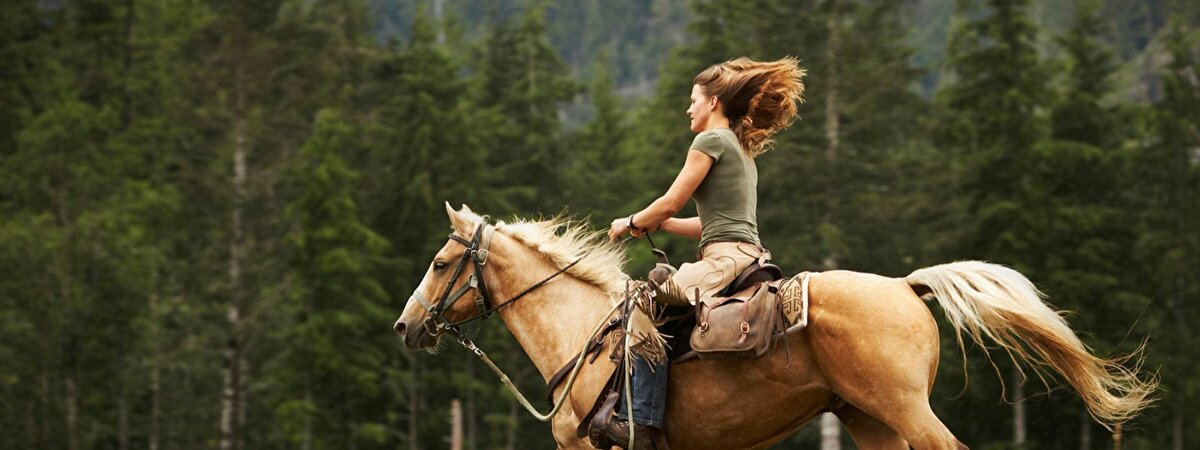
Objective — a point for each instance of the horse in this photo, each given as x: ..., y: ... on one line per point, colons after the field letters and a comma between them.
x: 869, y: 354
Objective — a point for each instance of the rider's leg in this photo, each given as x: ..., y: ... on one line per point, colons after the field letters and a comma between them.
x: 649, y: 389
x: 718, y: 266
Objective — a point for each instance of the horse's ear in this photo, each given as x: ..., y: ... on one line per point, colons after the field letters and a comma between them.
x: 466, y: 209
x: 457, y: 221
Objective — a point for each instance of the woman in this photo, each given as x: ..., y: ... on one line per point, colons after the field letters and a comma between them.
x: 736, y: 107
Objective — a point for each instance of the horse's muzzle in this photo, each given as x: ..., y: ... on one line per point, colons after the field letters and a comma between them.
x: 414, y: 337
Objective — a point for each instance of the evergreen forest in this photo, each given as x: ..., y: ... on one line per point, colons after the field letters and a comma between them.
x: 212, y: 211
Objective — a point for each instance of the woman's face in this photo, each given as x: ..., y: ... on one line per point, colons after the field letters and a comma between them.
x: 700, y: 108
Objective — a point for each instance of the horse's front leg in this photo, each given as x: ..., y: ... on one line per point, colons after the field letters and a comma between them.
x: 564, y: 425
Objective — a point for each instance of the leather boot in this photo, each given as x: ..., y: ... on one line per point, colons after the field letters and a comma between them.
x: 618, y: 431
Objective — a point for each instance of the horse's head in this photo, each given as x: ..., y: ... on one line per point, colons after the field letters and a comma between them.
x: 444, y: 295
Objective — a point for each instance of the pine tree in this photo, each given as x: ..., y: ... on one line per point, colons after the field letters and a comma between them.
x: 523, y: 85
x: 1072, y: 218
x: 1168, y: 171
x: 991, y: 115
x: 599, y: 178
x: 1090, y: 67
x: 330, y: 395
x: 428, y: 153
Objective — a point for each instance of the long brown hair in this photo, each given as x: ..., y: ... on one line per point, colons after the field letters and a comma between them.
x: 759, y: 98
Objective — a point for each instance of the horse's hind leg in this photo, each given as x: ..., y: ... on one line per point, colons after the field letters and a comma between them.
x: 868, y: 432
x: 916, y: 423
x: 877, y: 344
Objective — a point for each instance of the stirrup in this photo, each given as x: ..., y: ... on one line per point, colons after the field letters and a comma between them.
x: 661, y: 273
x: 618, y: 433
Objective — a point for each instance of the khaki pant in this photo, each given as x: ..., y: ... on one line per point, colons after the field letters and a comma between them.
x: 720, y: 263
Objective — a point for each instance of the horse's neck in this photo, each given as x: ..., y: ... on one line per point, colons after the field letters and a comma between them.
x: 551, y: 322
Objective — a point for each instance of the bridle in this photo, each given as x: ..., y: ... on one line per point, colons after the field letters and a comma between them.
x: 477, y: 253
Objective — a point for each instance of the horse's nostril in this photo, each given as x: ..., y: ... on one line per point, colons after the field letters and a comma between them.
x: 399, y: 327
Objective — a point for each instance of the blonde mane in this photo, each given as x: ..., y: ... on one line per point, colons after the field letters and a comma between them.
x: 564, y: 241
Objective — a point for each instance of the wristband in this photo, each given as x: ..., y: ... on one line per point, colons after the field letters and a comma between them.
x: 629, y: 223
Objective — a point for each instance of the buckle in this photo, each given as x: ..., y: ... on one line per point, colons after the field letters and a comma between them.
x: 432, y: 327
x: 481, y: 256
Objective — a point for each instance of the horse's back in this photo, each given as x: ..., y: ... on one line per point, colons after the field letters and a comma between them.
x: 866, y: 333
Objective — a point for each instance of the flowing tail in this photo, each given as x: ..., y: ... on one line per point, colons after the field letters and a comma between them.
x: 991, y: 300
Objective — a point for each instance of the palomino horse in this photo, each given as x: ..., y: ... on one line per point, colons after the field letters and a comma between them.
x: 869, y: 353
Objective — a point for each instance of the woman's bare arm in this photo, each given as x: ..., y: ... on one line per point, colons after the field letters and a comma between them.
x: 694, y: 170
x: 687, y: 227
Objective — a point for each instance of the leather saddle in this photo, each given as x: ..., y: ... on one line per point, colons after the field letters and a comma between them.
x: 756, y: 273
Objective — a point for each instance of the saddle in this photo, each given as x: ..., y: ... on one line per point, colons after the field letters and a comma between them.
x: 756, y: 273
x: 751, y: 327
x: 742, y: 320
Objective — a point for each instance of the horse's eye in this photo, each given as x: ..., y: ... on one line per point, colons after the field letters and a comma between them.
x: 438, y: 265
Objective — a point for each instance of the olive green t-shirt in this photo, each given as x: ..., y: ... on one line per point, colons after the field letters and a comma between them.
x: 727, y: 199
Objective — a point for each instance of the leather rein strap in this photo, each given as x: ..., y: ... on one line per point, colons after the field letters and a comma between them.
x: 592, y: 349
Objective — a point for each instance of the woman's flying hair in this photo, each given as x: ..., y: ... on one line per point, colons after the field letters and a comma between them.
x: 759, y: 98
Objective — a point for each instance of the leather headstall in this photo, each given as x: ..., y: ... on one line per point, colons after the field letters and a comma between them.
x: 477, y: 253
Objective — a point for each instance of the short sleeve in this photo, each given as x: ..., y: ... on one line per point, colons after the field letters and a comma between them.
x: 710, y: 144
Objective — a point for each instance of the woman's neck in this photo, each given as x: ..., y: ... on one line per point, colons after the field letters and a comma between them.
x: 716, y: 121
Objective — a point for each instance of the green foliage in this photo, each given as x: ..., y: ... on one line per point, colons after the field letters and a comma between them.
x: 1168, y: 199
x: 992, y: 115
x: 523, y: 83
x: 333, y: 358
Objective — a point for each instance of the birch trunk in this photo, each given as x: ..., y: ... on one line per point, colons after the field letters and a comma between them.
x: 831, y: 432
x: 469, y: 408
x: 1085, y: 430
x: 231, y: 393
x: 439, y: 14
x: 511, y: 442
x: 1018, y: 402
x: 832, y: 122
x: 830, y: 426
x: 456, y: 425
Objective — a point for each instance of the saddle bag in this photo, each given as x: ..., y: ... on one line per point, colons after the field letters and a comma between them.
x: 739, y: 326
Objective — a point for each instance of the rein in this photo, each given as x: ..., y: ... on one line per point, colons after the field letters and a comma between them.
x: 436, y: 323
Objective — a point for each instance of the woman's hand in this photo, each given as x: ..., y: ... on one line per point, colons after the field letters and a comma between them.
x: 618, y: 228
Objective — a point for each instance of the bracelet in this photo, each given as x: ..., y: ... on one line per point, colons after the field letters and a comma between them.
x: 629, y: 223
